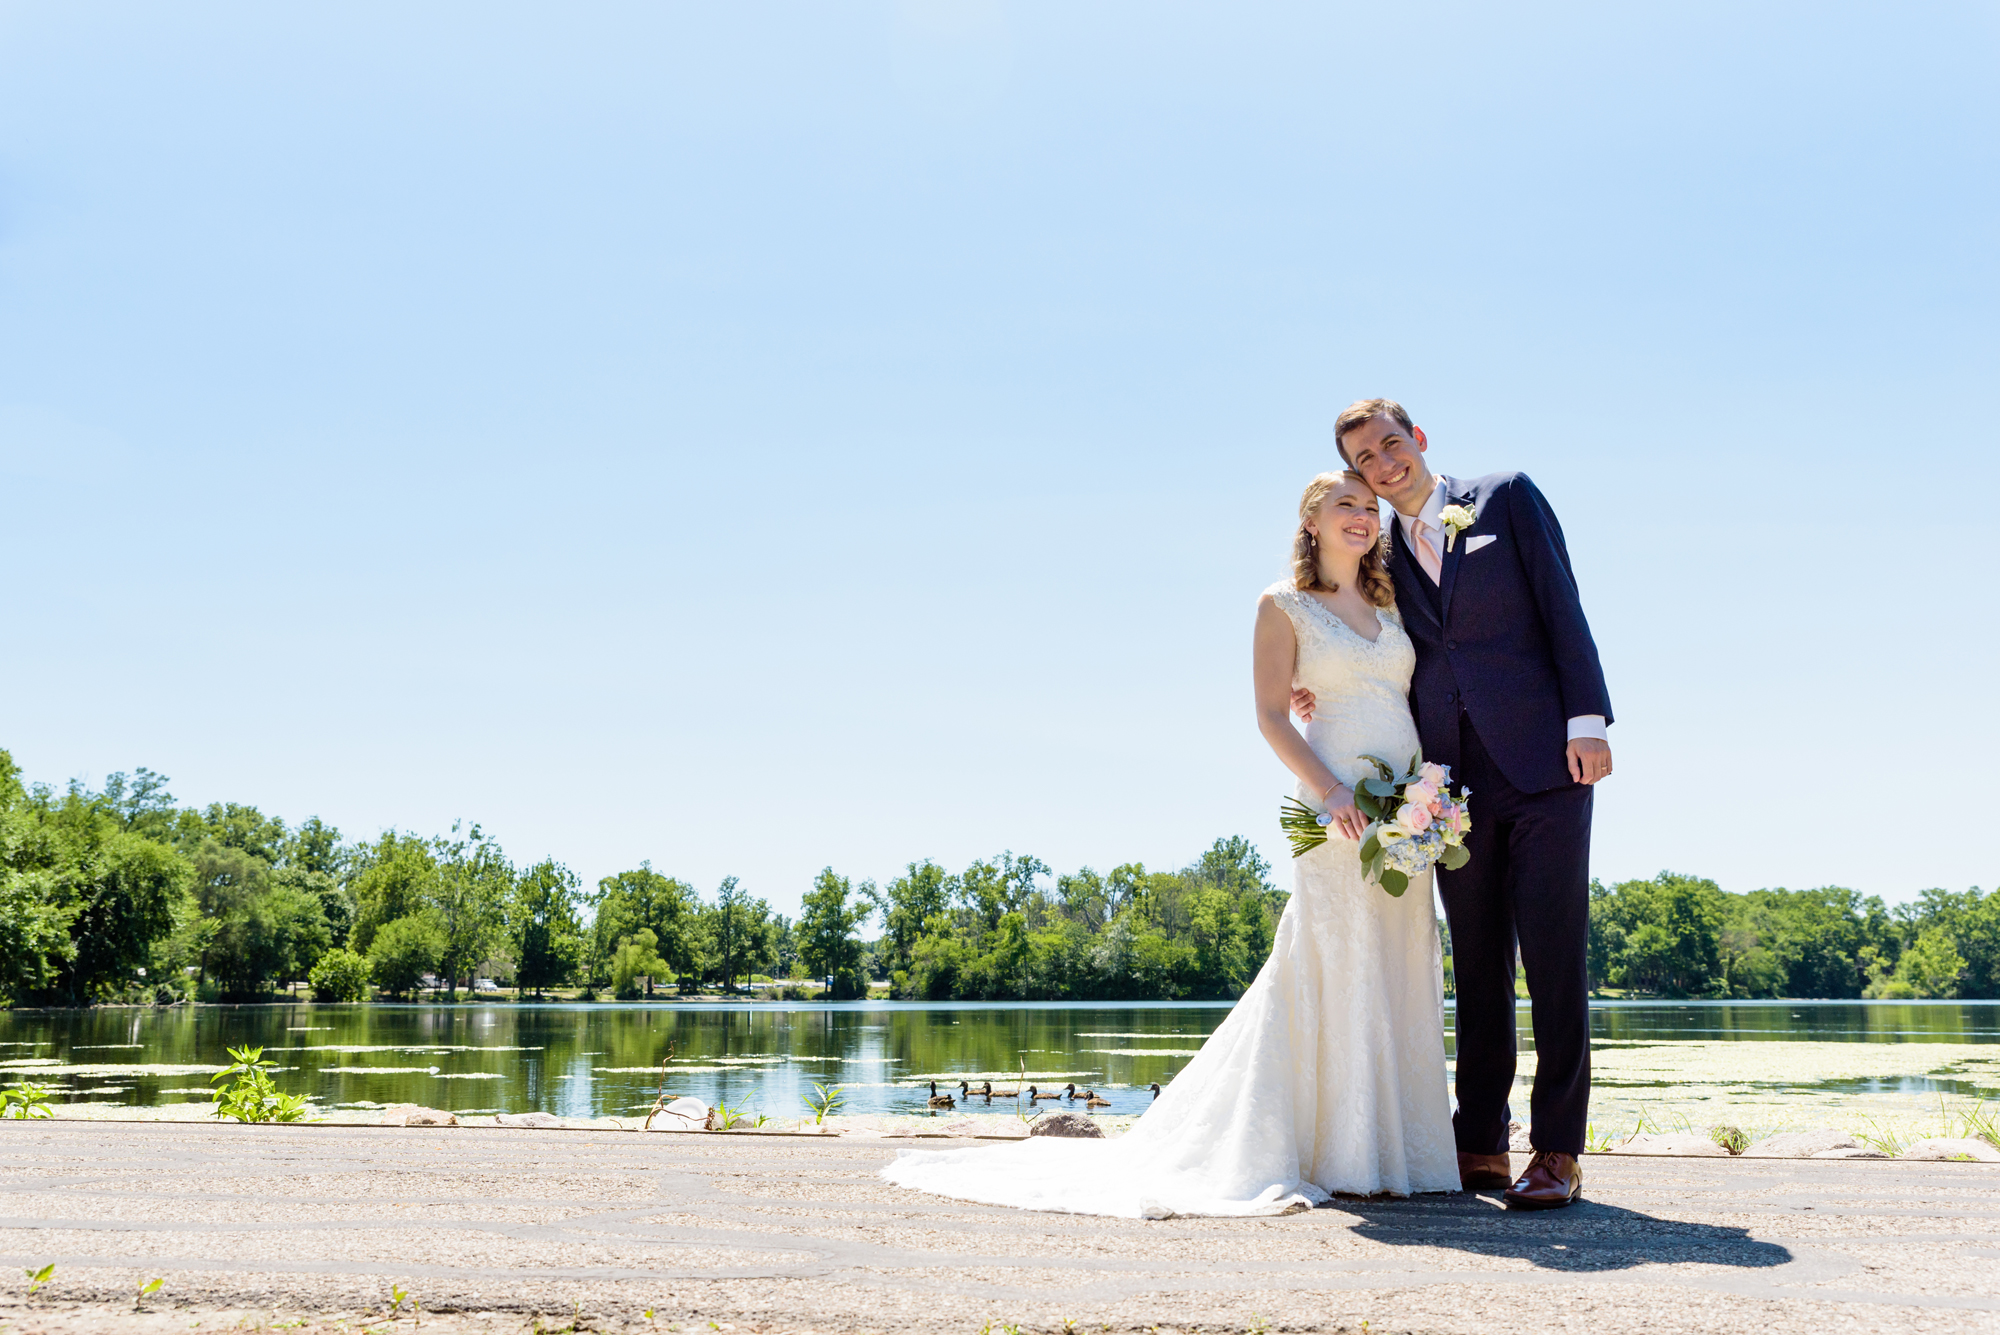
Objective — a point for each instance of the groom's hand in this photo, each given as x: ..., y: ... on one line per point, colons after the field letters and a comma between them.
x: 1589, y: 759
x: 1302, y: 704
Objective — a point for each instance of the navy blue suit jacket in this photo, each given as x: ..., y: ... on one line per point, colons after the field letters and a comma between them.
x: 1502, y: 633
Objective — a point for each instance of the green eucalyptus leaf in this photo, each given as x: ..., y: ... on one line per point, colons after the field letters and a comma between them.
x: 1454, y: 858
x: 1395, y: 882
x: 1381, y: 765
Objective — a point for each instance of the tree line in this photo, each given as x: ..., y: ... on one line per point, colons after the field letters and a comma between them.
x: 120, y: 894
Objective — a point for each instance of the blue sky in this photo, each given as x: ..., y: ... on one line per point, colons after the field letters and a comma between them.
x: 756, y: 438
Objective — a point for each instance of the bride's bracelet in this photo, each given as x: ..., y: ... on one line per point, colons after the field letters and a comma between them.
x: 1329, y: 792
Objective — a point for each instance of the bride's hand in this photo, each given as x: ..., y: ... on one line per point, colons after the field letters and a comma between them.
x: 1302, y: 704
x: 1348, y: 821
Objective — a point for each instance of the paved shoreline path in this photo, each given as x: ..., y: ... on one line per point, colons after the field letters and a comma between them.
x: 490, y: 1229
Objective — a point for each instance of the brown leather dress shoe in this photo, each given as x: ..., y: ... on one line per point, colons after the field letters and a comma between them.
x: 1484, y: 1172
x: 1552, y: 1180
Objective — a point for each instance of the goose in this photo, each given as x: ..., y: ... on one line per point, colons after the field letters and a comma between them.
x: 965, y: 1091
x: 1092, y: 1101
x: 1156, y: 1089
x: 992, y: 1093
x: 1037, y: 1096
x: 939, y: 1100
x: 1069, y: 1091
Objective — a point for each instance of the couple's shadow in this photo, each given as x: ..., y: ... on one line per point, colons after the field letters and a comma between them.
x: 1583, y: 1237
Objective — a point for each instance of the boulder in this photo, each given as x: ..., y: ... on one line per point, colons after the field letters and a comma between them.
x: 1942, y: 1147
x: 1066, y: 1124
x: 411, y: 1115
x: 1672, y: 1142
x: 1803, y: 1145
x: 533, y: 1119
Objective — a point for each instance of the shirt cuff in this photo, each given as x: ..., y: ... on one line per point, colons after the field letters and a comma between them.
x: 1588, y: 725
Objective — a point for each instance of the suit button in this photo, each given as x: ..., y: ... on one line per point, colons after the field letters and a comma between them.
x: 1451, y: 644
x: 1448, y: 697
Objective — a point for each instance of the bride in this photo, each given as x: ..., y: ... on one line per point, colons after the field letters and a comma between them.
x: 1329, y: 1075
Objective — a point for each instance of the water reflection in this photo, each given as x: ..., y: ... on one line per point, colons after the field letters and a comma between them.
x: 601, y: 1059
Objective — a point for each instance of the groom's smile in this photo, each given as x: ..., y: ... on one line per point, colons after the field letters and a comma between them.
x: 1389, y: 455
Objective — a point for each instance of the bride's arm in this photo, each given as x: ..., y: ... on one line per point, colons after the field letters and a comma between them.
x: 1273, y: 656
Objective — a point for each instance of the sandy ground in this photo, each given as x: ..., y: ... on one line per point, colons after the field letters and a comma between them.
x: 501, y: 1230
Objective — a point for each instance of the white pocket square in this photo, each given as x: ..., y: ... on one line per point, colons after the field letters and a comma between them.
x: 1474, y: 544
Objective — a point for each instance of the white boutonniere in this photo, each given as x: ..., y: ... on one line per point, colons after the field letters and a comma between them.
x: 1455, y: 519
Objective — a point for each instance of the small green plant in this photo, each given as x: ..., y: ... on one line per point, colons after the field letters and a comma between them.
x: 146, y: 1290
x: 26, y: 1099
x: 1731, y: 1138
x: 1979, y: 1124
x: 824, y: 1101
x: 727, y: 1118
x: 37, y: 1278
x: 1595, y: 1141
x: 1258, y: 1325
x: 252, y: 1096
x: 1884, y: 1139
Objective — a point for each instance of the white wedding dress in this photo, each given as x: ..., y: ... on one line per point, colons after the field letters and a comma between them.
x: 1329, y: 1075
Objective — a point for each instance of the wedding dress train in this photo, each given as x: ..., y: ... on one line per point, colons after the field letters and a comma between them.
x: 1329, y: 1074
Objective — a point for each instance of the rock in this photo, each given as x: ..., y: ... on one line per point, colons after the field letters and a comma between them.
x: 1066, y: 1124
x: 1941, y: 1147
x: 686, y: 1113
x: 535, y: 1119
x: 1517, y: 1139
x: 1802, y: 1145
x: 411, y: 1115
x: 1672, y: 1142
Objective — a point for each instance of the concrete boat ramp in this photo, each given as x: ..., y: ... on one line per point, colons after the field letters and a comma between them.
x: 501, y: 1230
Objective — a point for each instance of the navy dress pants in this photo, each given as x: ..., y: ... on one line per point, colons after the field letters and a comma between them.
x: 1527, y: 884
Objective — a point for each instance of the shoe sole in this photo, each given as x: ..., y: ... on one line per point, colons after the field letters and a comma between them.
x: 1524, y: 1203
x: 1491, y: 1182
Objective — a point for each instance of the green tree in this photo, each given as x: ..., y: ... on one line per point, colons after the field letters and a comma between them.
x: 340, y: 975
x: 828, y: 947
x: 546, y: 934
x: 404, y: 951
x: 637, y: 956
x: 469, y: 897
x: 394, y: 878
x: 1932, y: 966
x: 643, y: 898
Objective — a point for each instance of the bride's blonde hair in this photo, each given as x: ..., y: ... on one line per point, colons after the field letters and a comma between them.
x: 1373, y: 579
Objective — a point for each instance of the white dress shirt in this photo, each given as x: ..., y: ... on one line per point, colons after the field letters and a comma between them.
x: 1583, y: 725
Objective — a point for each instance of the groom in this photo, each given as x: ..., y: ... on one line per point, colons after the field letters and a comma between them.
x: 1509, y: 693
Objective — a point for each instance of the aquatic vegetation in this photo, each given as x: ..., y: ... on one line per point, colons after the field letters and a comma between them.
x: 254, y: 1096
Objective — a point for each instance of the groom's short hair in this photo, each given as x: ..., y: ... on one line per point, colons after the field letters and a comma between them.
x: 1363, y: 411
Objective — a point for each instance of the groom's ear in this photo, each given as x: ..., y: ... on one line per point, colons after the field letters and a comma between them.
x: 1417, y: 433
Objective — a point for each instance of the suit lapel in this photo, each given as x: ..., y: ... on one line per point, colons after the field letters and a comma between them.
x: 1404, y: 567
x: 1454, y: 494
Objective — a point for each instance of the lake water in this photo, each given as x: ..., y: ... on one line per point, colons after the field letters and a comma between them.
x: 604, y: 1059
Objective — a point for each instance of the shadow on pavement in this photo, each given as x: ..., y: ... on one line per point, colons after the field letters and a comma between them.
x: 1586, y: 1236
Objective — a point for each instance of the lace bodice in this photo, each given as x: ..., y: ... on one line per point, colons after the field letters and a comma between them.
x: 1362, y: 688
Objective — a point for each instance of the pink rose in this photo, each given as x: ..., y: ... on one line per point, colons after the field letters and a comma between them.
x: 1414, y: 818
x: 1435, y: 807
x: 1433, y: 776
x: 1420, y: 793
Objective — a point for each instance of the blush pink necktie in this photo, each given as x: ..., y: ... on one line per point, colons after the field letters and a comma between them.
x: 1427, y: 555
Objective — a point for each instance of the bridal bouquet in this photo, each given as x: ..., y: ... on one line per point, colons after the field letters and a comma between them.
x: 1414, y: 821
